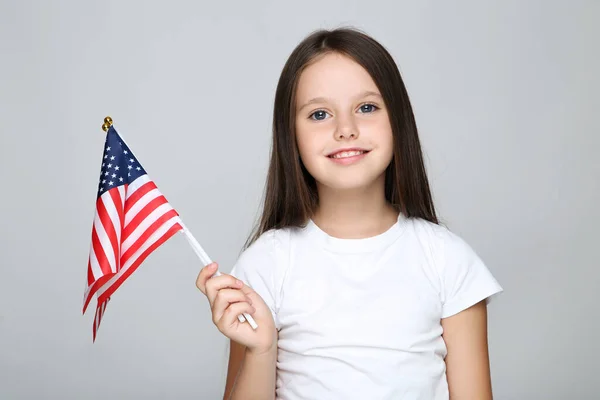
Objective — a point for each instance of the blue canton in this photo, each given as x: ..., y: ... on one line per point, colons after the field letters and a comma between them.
x: 119, y: 166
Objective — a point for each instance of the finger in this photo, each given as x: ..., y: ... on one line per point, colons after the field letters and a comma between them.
x: 224, y: 298
x: 213, y: 285
x: 230, y: 316
x: 204, y: 276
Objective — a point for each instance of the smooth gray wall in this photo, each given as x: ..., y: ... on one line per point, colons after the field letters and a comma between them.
x: 504, y: 94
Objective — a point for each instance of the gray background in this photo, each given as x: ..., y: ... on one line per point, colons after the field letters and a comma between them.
x: 504, y: 93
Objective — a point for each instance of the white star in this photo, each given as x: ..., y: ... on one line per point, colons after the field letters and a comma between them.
x: 117, y: 168
x: 121, y: 179
x: 114, y: 175
x: 103, y: 181
x: 129, y: 167
x: 112, y: 158
x: 106, y: 173
x: 129, y: 174
x: 109, y: 165
x: 138, y: 168
x: 111, y: 183
x: 125, y: 152
x: 105, y: 156
x: 103, y: 164
x: 131, y: 160
x: 108, y: 149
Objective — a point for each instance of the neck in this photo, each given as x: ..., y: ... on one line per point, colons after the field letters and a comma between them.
x: 356, y: 213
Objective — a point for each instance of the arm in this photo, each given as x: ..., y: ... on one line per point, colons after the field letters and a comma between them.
x: 236, y: 356
x: 467, y: 362
x: 256, y: 379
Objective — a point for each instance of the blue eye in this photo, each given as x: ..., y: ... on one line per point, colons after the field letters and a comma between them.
x: 368, y: 108
x: 318, y: 115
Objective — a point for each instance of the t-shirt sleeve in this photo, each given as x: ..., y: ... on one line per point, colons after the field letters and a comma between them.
x: 466, y: 279
x: 257, y: 268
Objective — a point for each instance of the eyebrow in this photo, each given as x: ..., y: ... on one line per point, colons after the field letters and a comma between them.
x: 324, y: 99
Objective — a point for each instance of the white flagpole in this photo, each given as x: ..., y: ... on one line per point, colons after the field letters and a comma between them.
x: 206, y: 260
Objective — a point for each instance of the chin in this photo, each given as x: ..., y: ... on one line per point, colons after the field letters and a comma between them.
x: 364, y: 175
x: 350, y: 183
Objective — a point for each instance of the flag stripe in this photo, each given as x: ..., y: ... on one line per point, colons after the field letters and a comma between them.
x: 101, y: 256
x: 147, y: 233
x: 120, y: 205
x: 100, y: 308
x: 132, y: 209
x: 136, y: 184
x: 91, y: 290
x: 159, y: 237
x: 114, y: 205
x: 110, y: 221
x: 90, y: 274
x: 136, y: 194
x: 95, y: 271
x: 143, y: 219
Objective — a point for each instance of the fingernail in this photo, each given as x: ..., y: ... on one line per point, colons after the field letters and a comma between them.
x: 239, y: 283
x: 212, y: 267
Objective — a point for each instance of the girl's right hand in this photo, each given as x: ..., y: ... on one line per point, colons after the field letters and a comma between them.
x: 228, y: 298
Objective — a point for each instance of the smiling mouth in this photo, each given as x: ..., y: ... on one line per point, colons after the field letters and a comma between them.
x: 348, y: 154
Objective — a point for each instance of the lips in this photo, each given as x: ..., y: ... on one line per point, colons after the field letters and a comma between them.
x: 347, y: 156
x: 347, y: 153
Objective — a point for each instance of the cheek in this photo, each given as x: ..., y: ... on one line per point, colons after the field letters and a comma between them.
x: 310, y: 141
x: 384, y: 135
x: 302, y: 143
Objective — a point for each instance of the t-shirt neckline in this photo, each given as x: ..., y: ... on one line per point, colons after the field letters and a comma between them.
x: 360, y: 245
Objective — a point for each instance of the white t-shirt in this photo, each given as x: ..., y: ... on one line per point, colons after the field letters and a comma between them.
x: 360, y: 318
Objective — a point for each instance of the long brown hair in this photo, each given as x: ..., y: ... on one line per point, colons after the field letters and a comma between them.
x: 290, y: 195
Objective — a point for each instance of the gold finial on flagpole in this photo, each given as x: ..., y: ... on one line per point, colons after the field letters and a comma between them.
x: 107, y: 124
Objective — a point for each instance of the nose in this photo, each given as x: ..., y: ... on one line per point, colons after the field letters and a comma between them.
x: 346, y: 129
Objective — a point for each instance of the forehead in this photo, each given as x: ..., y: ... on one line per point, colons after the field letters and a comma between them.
x: 334, y: 76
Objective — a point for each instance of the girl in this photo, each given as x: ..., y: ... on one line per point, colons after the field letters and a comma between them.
x: 357, y: 291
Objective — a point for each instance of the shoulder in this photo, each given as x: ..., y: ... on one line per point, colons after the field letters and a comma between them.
x: 267, y: 247
x: 444, y: 245
x: 465, y: 278
x: 263, y: 258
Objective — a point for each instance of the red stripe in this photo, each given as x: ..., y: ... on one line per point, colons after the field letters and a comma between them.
x: 108, y: 225
x: 146, y: 235
x: 100, y: 256
x: 120, y: 210
x: 142, y: 215
x: 90, y: 274
x: 138, y: 194
x: 173, y: 230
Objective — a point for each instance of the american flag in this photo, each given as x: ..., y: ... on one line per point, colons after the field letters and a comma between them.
x: 132, y: 219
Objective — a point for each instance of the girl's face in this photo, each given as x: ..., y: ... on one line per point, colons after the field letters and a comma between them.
x: 342, y: 127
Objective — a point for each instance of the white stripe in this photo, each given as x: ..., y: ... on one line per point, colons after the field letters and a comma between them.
x: 105, y: 243
x: 143, y: 226
x: 96, y: 270
x: 151, y: 240
x: 122, y: 194
x: 135, y: 185
x: 141, y: 203
x: 113, y: 214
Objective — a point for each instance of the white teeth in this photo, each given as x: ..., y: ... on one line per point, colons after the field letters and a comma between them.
x: 345, y: 154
